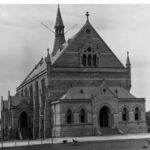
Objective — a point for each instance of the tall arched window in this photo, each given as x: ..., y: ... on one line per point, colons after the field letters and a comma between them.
x: 84, y: 60
x: 89, y: 60
x: 26, y: 92
x: 83, y: 116
x: 69, y: 116
x: 137, y: 114
x: 31, y: 94
x: 94, y: 60
x: 37, y: 93
x: 125, y: 114
x: 43, y: 92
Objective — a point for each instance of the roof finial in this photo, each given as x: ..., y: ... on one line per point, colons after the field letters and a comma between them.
x: 128, y: 60
x: 127, y: 53
x: 48, y: 60
x: 87, y: 15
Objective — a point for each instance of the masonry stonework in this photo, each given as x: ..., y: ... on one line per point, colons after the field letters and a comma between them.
x: 80, y: 89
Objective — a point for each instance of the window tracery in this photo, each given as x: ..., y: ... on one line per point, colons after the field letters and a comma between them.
x: 89, y: 58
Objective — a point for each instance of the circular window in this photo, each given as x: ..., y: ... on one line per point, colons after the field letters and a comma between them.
x: 88, y: 31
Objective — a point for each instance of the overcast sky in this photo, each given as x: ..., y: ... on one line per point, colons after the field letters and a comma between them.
x: 23, y: 40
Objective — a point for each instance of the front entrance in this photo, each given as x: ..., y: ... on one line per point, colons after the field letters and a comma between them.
x: 104, y: 117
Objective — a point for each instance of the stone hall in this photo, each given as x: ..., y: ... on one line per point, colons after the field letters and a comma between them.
x: 81, y: 88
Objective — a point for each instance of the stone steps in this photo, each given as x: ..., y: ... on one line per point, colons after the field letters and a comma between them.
x: 109, y: 131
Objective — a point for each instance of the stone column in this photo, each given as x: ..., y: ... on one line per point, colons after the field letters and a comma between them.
x: 47, y: 120
x: 76, y: 118
x: 41, y: 123
x: 115, y: 117
x: 36, y: 122
x: 131, y: 116
x: 142, y: 116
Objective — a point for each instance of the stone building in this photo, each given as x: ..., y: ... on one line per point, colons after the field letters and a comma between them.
x: 80, y: 89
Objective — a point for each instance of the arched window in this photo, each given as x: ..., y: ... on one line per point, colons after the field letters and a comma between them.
x: 84, y: 60
x: 26, y: 92
x: 31, y: 94
x: 69, y: 117
x: 89, y: 58
x: 137, y: 114
x: 125, y: 114
x: 83, y: 116
x: 43, y: 92
x: 94, y: 60
x: 37, y: 93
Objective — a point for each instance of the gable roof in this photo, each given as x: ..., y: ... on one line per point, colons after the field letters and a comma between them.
x: 71, y: 41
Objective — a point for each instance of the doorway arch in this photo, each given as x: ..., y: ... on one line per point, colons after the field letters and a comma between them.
x: 104, y: 117
x: 23, y: 120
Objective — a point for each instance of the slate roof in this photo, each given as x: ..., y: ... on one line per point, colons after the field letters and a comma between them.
x: 88, y: 92
x: 122, y: 93
x: 17, y: 100
x: 39, y: 67
x: 79, y: 93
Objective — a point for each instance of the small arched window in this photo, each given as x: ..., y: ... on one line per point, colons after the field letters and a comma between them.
x: 83, y: 116
x: 125, y: 114
x: 69, y: 116
x: 137, y: 114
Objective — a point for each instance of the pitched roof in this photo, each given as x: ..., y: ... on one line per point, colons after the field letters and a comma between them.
x: 76, y: 36
x: 88, y: 92
x: 17, y: 100
x: 121, y: 92
x: 39, y: 67
x: 79, y: 93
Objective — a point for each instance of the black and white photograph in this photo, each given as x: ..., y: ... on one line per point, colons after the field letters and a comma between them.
x: 75, y: 76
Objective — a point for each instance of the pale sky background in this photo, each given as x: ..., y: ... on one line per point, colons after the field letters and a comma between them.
x: 23, y: 40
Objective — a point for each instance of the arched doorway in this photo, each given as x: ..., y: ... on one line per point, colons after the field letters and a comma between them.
x: 104, y: 117
x: 23, y: 120
x: 24, y: 132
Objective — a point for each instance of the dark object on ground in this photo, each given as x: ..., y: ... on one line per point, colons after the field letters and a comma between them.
x: 147, y: 140
x: 75, y: 142
x: 64, y: 141
x: 144, y: 146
